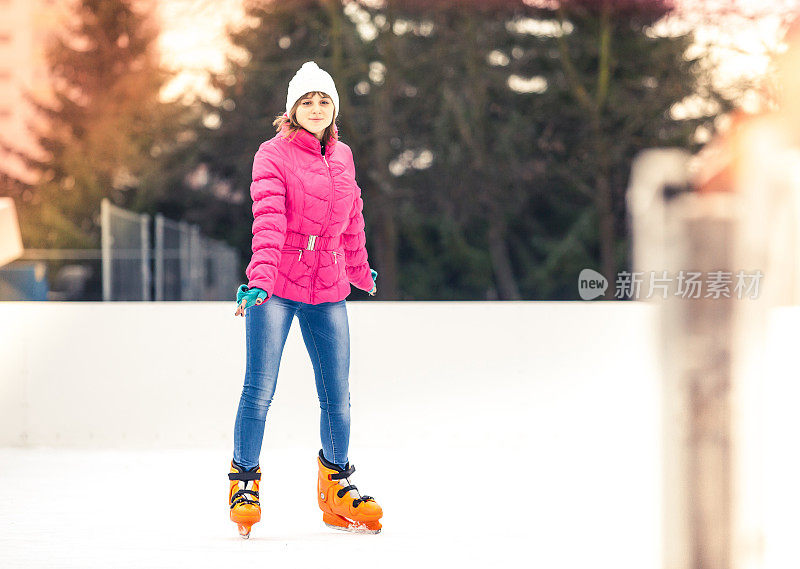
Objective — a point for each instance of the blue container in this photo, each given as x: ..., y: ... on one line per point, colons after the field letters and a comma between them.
x: 23, y: 280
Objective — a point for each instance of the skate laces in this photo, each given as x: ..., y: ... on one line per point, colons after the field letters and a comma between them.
x: 345, y: 475
x: 246, y: 483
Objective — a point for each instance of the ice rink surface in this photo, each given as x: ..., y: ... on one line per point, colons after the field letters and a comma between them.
x: 465, y: 507
x: 115, y: 509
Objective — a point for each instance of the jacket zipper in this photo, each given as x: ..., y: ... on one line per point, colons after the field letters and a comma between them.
x: 300, y: 256
x: 321, y: 231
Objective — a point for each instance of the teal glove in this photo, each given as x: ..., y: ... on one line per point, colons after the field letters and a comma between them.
x: 374, y: 274
x: 247, y: 297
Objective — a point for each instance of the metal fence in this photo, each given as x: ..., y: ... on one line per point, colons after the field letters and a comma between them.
x: 126, y: 254
x: 171, y: 259
x: 186, y: 265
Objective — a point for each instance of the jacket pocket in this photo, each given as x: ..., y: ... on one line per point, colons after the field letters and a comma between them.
x: 291, y: 262
x: 338, y: 263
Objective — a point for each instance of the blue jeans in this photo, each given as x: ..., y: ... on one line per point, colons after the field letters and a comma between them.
x: 327, y: 337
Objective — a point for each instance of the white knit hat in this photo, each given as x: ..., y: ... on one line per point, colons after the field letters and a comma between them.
x: 311, y: 78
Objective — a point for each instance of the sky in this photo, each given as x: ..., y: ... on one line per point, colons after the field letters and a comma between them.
x: 194, y: 39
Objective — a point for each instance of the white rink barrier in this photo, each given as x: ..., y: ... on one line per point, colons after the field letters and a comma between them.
x: 161, y: 375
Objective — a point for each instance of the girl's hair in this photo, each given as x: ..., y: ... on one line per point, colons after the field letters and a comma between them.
x: 294, y: 126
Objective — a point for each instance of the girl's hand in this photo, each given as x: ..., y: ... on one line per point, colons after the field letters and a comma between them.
x: 247, y: 297
x: 374, y: 274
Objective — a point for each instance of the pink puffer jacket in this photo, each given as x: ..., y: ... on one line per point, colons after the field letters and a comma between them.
x: 308, y: 228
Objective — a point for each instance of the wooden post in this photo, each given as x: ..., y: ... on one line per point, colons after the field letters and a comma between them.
x: 678, y: 234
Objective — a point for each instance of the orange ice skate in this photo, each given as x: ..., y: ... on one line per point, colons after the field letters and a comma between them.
x: 342, y: 506
x: 243, y: 498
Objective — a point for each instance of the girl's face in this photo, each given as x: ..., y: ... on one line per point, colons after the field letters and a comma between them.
x: 315, y: 113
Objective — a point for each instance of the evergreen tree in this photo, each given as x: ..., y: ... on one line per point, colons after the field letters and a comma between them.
x: 106, y: 131
x: 612, y: 85
x: 474, y: 186
x: 531, y: 185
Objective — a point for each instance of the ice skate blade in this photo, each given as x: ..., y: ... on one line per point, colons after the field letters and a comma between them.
x: 343, y: 524
x: 244, y: 532
x: 353, y: 529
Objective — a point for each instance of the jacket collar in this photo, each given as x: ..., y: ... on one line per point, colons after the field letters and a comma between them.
x: 306, y: 140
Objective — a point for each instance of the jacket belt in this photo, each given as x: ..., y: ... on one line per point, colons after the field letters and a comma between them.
x: 312, y: 242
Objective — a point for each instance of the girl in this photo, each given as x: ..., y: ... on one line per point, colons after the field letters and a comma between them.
x: 308, y: 248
